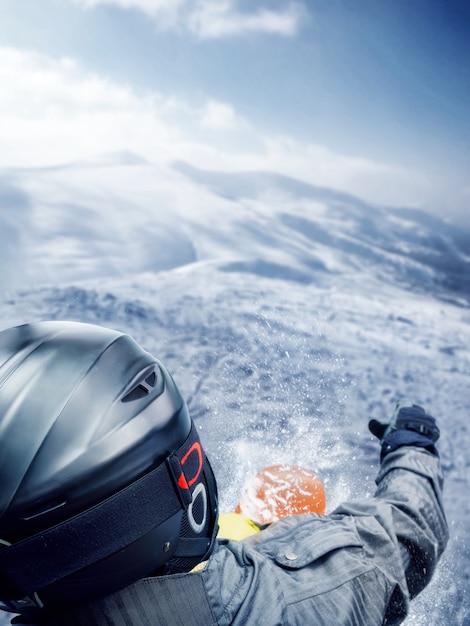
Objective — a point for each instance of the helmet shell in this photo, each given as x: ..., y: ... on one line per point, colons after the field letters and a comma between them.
x: 84, y: 410
x: 85, y: 414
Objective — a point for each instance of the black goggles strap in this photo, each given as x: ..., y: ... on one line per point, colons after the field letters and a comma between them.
x: 33, y: 563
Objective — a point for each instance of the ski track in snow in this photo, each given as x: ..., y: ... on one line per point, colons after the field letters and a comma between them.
x: 287, y: 344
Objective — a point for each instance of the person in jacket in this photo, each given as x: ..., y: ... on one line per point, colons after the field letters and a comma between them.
x: 108, y: 505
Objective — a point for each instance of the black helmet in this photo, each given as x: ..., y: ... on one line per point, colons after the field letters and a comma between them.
x: 102, y: 476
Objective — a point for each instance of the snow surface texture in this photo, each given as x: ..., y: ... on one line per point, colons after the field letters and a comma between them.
x: 288, y: 314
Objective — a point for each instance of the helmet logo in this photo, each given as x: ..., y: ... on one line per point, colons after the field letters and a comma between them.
x: 194, y: 461
x: 183, y: 482
x: 195, y: 525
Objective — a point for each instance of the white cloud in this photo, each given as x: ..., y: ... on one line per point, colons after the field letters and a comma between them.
x: 213, y: 19
x: 152, y: 7
x: 144, y: 5
x: 165, y: 13
x: 53, y: 112
x: 221, y: 116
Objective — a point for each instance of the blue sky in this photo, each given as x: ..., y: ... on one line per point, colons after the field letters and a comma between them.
x: 369, y: 96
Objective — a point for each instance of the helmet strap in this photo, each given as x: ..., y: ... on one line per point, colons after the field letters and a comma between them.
x: 94, y: 534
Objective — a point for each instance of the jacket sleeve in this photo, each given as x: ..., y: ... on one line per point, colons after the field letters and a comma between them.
x: 408, y: 505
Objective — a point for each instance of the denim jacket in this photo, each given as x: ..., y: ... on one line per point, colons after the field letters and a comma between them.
x: 359, y: 565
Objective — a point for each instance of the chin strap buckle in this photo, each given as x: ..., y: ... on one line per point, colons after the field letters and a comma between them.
x: 32, y: 601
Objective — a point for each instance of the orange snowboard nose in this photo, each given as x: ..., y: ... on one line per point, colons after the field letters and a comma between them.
x: 281, y: 490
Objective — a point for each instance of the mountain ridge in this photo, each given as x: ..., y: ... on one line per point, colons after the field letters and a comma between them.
x: 416, y: 246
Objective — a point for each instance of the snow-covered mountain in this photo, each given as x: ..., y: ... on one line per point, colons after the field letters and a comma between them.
x: 73, y: 222
x: 321, y: 227
x: 288, y: 314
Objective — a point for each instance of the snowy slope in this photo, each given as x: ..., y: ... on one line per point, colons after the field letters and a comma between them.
x: 288, y: 315
x: 73, y: 222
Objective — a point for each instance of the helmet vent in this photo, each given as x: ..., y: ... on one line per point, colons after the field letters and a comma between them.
x: 45, y: 508
x: 151, y: 380
x: 136, y: 394
x: 142, y: 389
